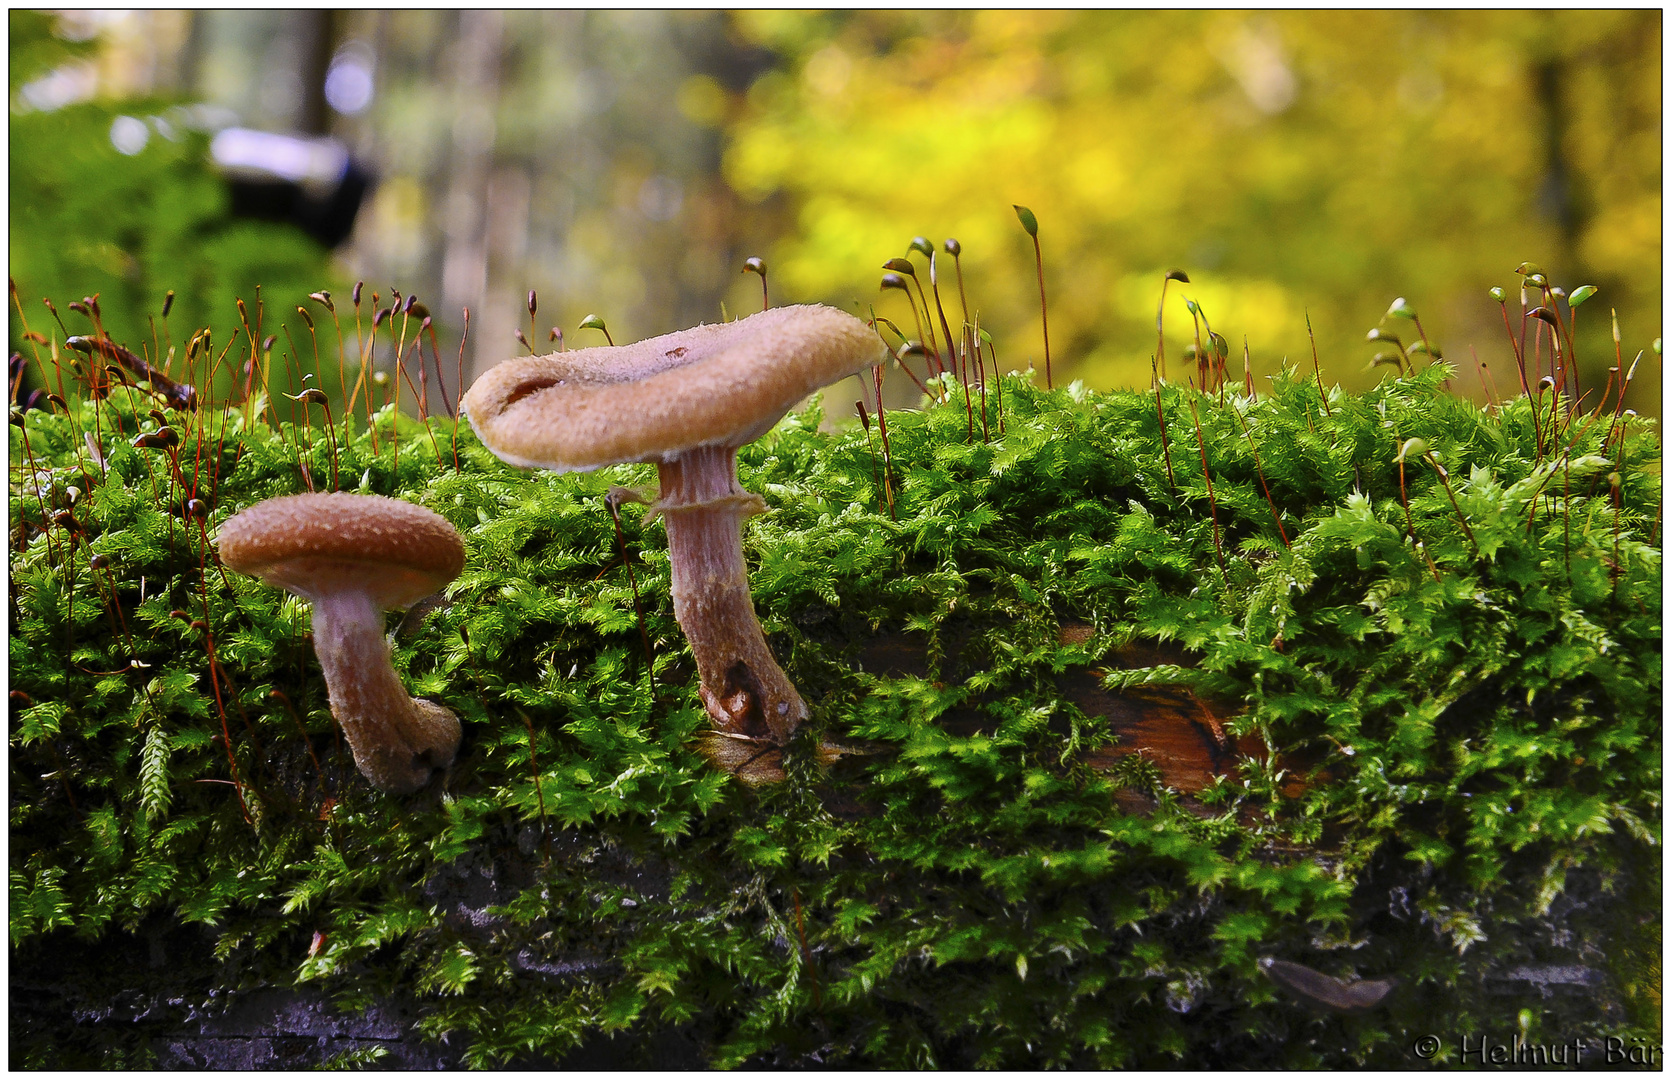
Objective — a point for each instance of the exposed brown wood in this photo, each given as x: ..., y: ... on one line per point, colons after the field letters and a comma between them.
x: 1184, y: 734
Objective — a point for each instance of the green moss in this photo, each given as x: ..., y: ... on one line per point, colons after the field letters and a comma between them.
x: 1481, y: 738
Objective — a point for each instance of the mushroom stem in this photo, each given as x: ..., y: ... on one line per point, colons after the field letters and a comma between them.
x: 398, y: 741
x: 703, y: 508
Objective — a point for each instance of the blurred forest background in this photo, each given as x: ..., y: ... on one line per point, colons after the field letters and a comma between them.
x: 626, y: 163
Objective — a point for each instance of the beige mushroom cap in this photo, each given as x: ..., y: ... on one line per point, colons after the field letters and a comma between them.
x: 720, y: 384
x: 317, y: 543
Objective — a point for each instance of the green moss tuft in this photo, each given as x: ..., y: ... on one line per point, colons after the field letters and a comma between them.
x: 1466, y: 779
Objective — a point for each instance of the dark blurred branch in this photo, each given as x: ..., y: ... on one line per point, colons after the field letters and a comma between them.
x: 1555, y: 194
x: 322, y: 30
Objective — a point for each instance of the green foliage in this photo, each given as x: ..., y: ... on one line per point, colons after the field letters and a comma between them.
x: 360, y: 1058
x: 1463, y: 703
x: 33, y: 49
x: 87, y: 219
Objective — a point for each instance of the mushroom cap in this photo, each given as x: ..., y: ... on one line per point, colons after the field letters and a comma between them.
x: 325, y: 542
x: 718, y: 384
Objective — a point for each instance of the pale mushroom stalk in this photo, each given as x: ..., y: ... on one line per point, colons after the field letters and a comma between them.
x: 398, y: 741
x: 702, y: 508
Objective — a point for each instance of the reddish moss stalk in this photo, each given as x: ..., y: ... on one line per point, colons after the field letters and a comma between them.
x: 961, y: 363
x: 887, y: 450
x: 1259, y: 469
x: 613, y: 501
x: 1410, y: 524
x: 1444, y: 478
x: 1212, y: 501
x: 1044, y: 314
x: 1165, y: 445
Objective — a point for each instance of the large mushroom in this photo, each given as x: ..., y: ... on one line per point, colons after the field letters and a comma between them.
x: 686, y: 401
x: 354, y: 557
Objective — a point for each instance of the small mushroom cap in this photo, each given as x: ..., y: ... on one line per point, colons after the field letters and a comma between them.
x: 719, y: 384
x: 320, y: 543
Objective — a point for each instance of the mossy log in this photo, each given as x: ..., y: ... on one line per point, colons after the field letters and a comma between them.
x: 1107, y: 746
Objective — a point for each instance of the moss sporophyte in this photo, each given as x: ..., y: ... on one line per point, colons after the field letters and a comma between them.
x: 1264, y: 753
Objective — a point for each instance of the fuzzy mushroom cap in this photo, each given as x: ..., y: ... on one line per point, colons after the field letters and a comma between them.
x: 719, y: 384
x: 319, y: 543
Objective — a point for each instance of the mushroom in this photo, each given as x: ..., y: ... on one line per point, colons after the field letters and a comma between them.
x: 686, y: 401
x: 354, y: 556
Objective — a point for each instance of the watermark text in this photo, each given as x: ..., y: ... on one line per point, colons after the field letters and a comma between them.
x: 1517, y: 1051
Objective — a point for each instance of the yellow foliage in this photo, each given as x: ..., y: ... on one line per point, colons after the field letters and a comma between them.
x: 1289, y: 161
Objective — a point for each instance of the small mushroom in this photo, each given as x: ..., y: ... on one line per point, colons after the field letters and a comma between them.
x: 355, y: 556
x: 686, y: 401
